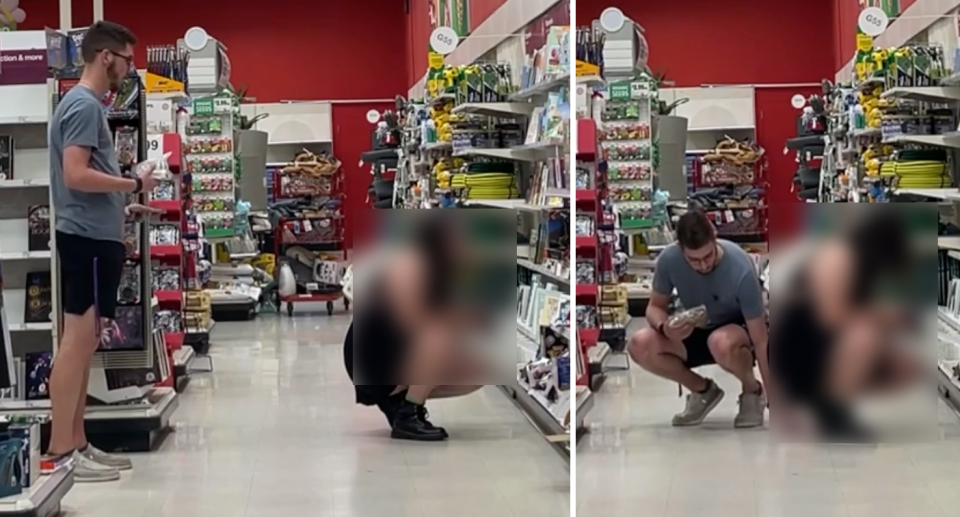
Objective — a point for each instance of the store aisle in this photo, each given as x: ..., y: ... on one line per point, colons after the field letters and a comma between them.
x: 634, y: 463
x: 274, y: 431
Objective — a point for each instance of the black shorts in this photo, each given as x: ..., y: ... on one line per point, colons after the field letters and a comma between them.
x: 698, y: 352
x: 90, y: 272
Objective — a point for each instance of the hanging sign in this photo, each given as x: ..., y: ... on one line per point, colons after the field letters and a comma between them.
x: 798, y: 101
x: 373, y: 116
x: 11, y: 15
x: 444, y: 40
x: 873, y: 21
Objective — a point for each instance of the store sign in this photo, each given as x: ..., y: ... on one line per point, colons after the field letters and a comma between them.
x: 444, y: 40
x: 452, y: 13
x: 23, y: 66
x: 627, y: 90
x: 535, y: 33
x: 203, y: 106
x: 873, y: 21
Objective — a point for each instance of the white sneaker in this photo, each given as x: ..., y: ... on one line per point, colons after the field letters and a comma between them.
x: 86, y: 470
x: 751, y: 413
x: 107, y: 460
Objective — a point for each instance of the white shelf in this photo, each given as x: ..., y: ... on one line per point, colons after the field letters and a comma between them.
x: 14, y: 121
x: 437, y: 146
x: 15, y: 301
x: 943, y: 194
x: 939, y: 94
x: 585, y: 401
x: 542, y: 88
x: 167, y: 403
x: 25, y: 255
x: 47, y: 491
x: 511, y: 204
x: 25, y: 183
x: 495, y: 109
x: 948, y: 243
x: 951, y: 141
x: 502, y: 154
x: 536, y: 268
x: 590, y: 80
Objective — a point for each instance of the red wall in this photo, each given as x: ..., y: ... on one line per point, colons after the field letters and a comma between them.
x: 742, y: 42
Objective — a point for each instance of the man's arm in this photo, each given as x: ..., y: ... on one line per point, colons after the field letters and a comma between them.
x: 81, y: 134
x: 659, y: 297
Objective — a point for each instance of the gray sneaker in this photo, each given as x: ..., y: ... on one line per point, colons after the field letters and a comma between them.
x: 699, y: 405
x: 86, y: 470
x: 751, y: 411
x: 107, y: 460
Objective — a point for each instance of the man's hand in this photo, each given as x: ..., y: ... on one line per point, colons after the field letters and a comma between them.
x: 145, y: 173
x: 138, y: 212
x: 677, y: 332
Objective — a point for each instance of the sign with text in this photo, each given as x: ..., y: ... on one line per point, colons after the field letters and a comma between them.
x: 451, y: 13
x: 23, y: 66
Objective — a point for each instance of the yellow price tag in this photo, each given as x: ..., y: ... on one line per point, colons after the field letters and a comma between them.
x: 586, y: 69
x: 435, y: 60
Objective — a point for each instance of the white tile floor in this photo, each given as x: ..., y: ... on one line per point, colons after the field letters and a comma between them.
x: 274, y: 431
x: 634, y: 463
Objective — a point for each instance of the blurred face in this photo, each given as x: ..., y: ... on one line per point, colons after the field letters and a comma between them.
x: 704, y: 259
x: 117, y: 65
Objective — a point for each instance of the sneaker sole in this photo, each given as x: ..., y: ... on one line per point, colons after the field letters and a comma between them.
x: 747, y: 425
x: 98, y: 479
x: 417, y: 437
x: 706, y: 412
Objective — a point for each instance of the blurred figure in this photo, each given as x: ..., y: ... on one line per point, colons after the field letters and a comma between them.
x: 719, y: 276
x: 408, y: 323
x: 835, y: 319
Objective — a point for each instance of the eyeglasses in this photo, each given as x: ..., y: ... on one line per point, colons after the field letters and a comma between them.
x: 128, y: 59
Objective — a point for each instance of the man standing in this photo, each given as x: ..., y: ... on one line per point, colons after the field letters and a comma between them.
x: 89, y: 197
x: 717, y: 274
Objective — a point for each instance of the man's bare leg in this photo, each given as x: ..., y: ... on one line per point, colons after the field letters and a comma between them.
x: 730, y: 347
x: 71, y: 368
x: 79, y: 419
x: 664, y: 358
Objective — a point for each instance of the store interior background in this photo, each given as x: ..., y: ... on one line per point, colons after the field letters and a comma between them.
x: 375, y: 50
x: 327, y: 50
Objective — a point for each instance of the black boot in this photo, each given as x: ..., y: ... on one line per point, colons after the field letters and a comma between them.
x: 838, y: 425
x: 408, y: 425
x: 390, y: 405
x: 425, y: 419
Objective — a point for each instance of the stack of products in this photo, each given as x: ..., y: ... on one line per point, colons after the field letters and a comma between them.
x: 548, y: 62
x: 912, y: 65
x: 197, y: 312
x: 613, y: 312
x: 489, y: 82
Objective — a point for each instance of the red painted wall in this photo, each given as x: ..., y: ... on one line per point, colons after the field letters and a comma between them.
x: 746, y: 42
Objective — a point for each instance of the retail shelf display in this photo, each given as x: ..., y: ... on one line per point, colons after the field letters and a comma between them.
x: 482, y: 139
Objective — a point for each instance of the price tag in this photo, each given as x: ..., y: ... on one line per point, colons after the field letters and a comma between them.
x: 155, y: 147
x: 444, y: 40
x: 873, y: 21
x: 222, y: 105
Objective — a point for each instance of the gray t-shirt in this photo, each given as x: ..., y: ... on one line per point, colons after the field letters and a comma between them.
x: 731, y: 292
x: 80, y: 120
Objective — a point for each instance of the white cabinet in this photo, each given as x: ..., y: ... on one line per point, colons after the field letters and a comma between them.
x: 293, y: 123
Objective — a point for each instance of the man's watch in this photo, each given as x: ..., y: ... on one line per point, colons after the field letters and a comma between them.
x: 138, y: 188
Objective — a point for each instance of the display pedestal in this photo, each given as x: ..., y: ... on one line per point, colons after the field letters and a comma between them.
x: 546, y: 423
x: 42, y: 499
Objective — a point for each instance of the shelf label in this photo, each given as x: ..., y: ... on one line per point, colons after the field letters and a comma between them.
x: 873, y: 21
x: 444, y: 40
x: 155, y: 147
x: 222, y: 105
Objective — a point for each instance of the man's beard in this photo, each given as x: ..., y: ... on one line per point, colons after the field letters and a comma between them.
x: 116, y: 80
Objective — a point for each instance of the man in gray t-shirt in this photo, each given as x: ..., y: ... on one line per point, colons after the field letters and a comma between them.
x: 89, y: 197
x: 718, y: 276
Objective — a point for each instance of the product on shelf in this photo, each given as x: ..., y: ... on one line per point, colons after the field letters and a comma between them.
x: 38, y: 225
x: 6, y: 157
x: 126, y: 330
x: 38, y: 298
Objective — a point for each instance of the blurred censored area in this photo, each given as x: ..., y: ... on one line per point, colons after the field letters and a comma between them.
x: 852, y: 314
x: 434, y: 297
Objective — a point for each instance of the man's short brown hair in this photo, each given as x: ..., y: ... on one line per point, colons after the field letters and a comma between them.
x: 105, y: 35
x: 694, y: 230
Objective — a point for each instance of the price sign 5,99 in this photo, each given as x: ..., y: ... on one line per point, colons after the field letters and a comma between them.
x: 154, y: 147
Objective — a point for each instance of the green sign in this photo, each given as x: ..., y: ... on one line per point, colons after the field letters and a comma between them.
x: 204, y: 106
x: 454, y: 14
